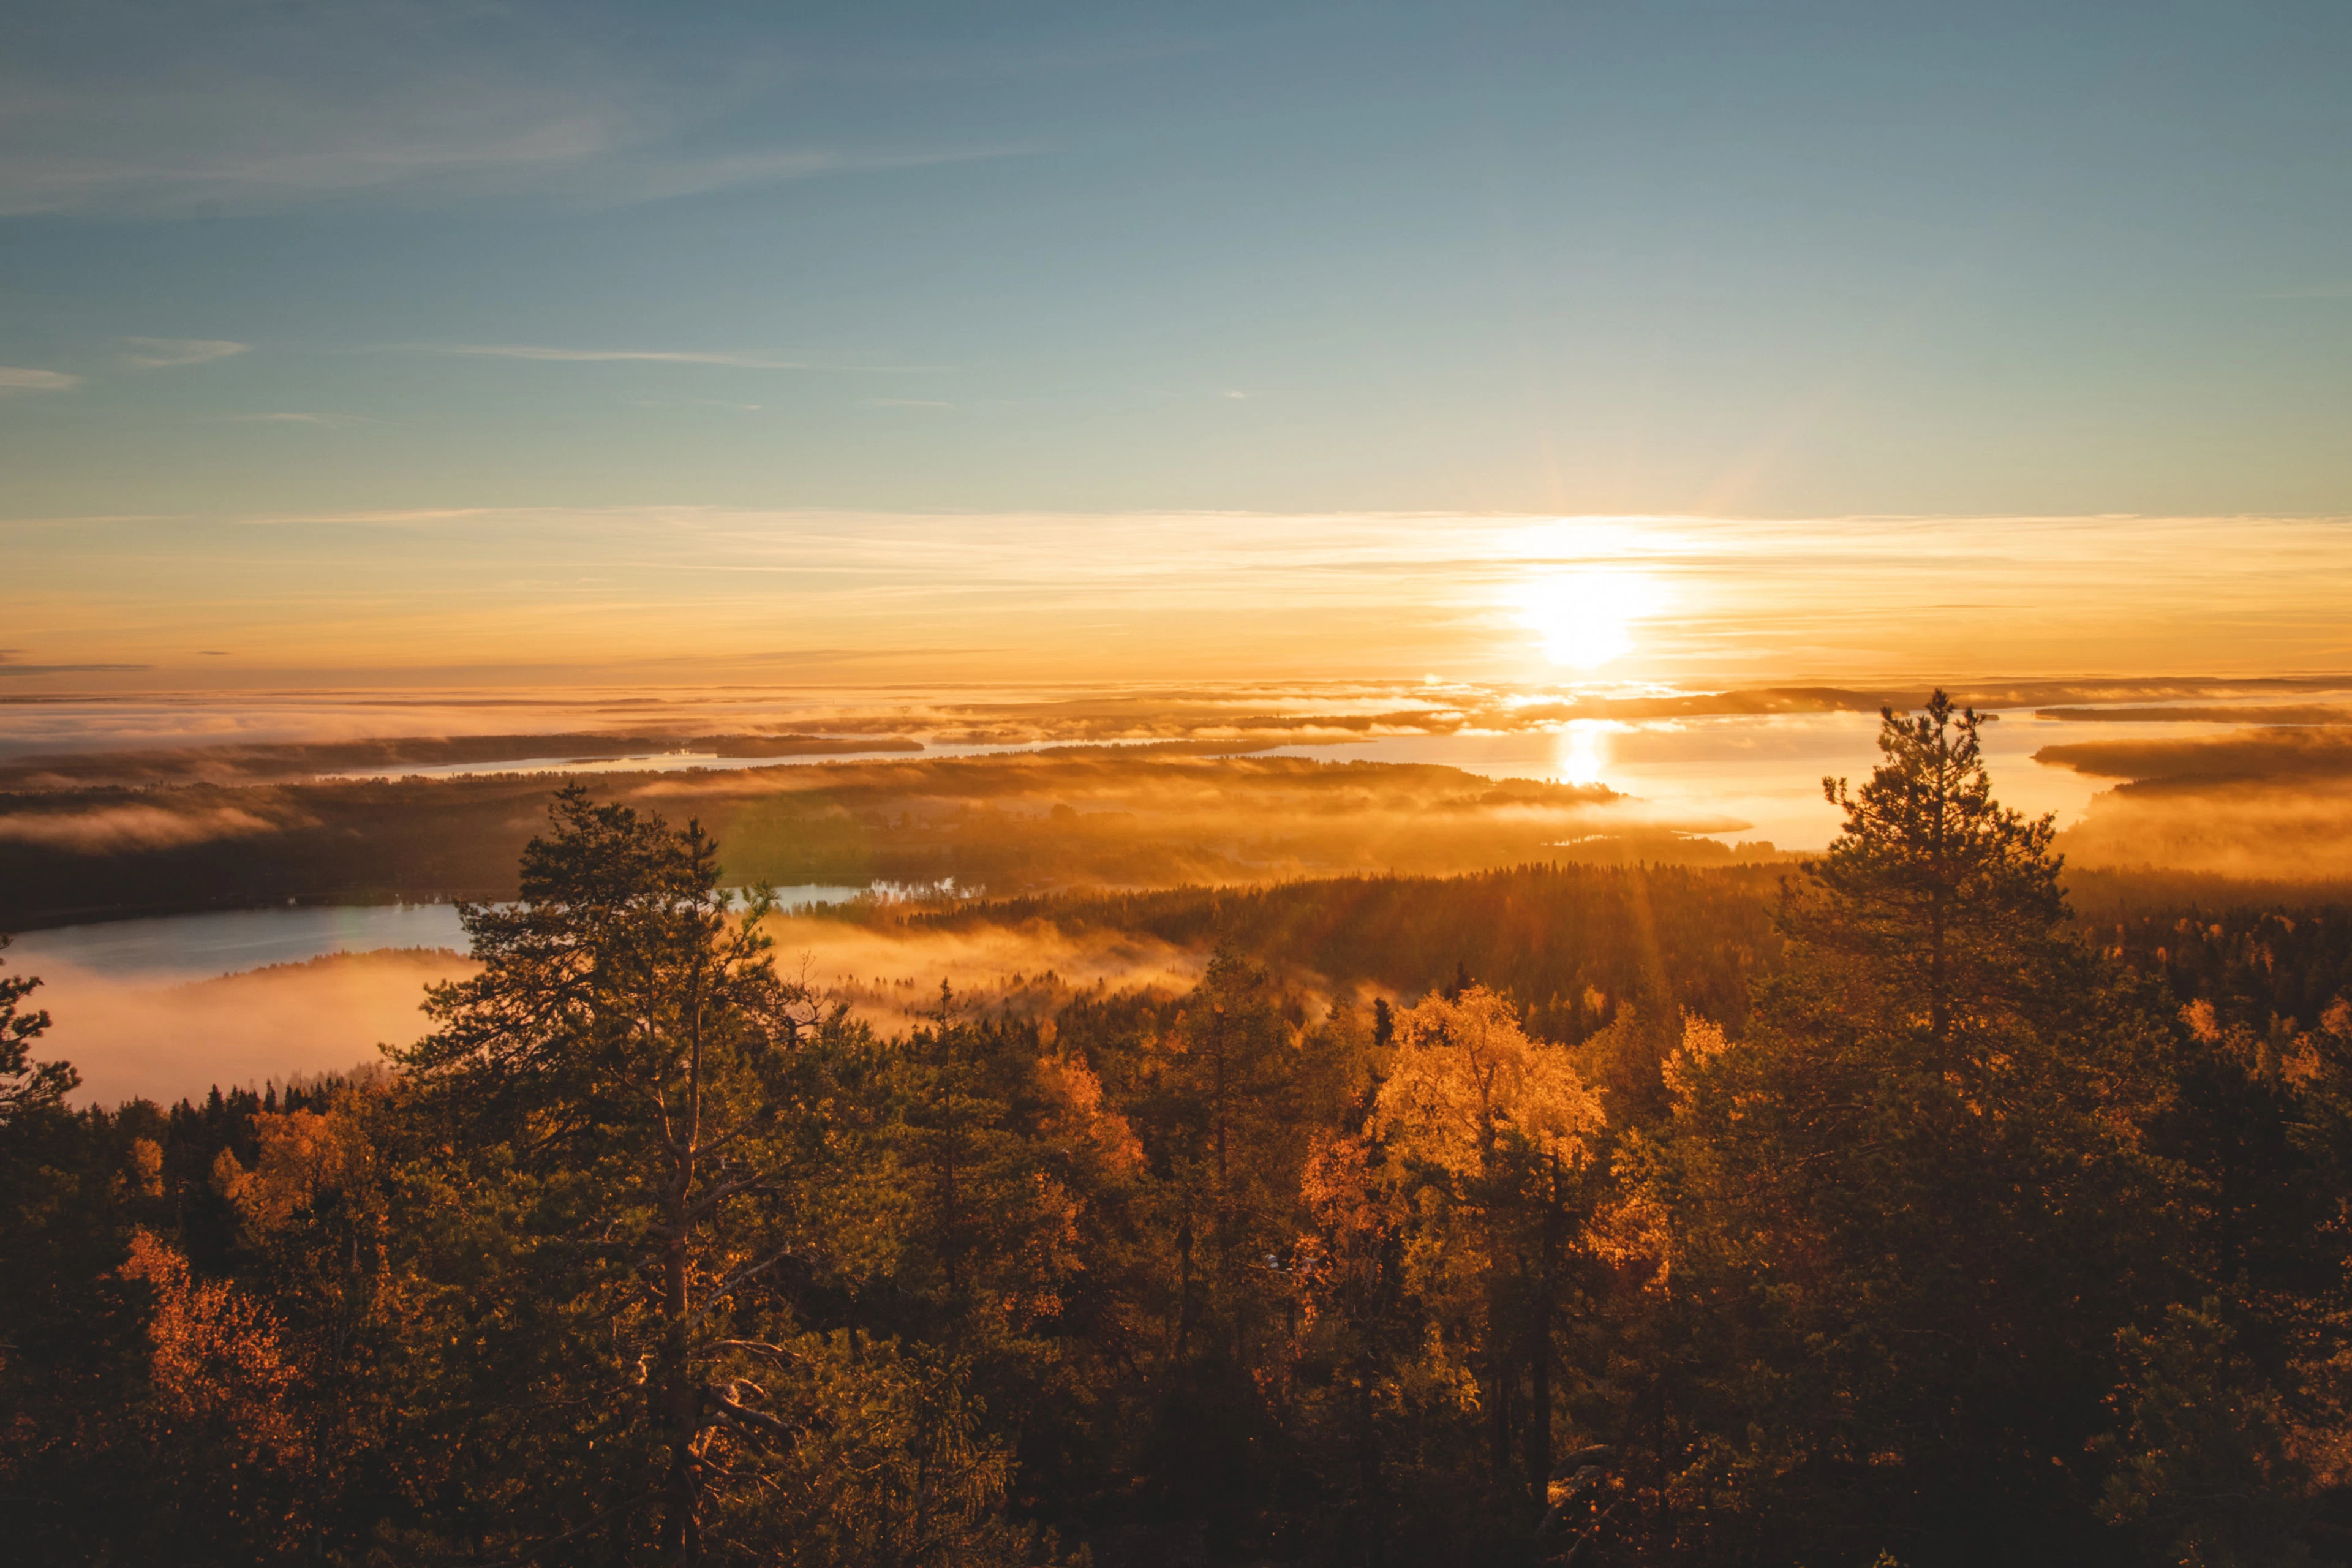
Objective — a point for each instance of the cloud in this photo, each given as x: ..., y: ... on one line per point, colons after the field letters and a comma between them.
x: 724, y: 359
x: 599, y: 356
x: 661, y: 178
x: 8, y: 666
x: 2339, y: 290
x: 17, y: 378
x: 326, y: 419
x: 408, y: 517
x: 131, y: 109
x: 160, y: 353
x: 1212, y: 595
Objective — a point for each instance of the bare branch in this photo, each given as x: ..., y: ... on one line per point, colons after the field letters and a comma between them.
x: 758, y: 1347
x: 726, y: 1190
x: 720, y: 1400
x: 740, y: 1277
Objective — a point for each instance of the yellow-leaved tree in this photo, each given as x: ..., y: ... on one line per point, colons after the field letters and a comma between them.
x: 1491, y: 1129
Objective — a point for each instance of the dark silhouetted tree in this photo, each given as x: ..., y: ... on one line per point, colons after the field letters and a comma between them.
x: 25, y: 1084
x: 629, y: 1041
x: 1910, y: 1213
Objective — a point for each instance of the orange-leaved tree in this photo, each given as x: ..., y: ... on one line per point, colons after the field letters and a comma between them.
x: 1495, y: 1127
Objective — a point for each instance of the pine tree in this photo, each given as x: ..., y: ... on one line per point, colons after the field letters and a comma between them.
x: 25, y: 1084
x: 631, y: 1050
x: 1933, y: 889
x: 1910, y: 1213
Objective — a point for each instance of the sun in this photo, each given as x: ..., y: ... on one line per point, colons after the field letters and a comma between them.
x: 1585, y: 615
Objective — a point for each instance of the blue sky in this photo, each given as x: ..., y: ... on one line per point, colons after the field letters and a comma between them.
x: 1767, y: 260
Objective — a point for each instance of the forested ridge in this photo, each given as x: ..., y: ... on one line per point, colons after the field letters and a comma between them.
x: 1884, y: 1214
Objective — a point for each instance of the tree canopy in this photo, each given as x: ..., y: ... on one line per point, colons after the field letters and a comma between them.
x: 1887, y: 1222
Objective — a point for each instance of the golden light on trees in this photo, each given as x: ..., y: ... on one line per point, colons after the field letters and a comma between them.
x: 1466, y: 1076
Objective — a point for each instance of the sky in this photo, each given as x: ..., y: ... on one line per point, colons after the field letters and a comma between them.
x: 506, y: 341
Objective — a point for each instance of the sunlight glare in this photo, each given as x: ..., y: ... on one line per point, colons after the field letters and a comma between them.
x: 1585, y: 616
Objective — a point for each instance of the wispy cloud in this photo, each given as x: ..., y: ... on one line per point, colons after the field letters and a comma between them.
x: 415, y: 517
x: 17, y: 378
x: 72, y: 669
x: 161, y: 353
x: 599, y: 356
x: 332, y: 421
x: 723, y: 359
x: 124, y: 109
x: 656, y: 178
x: 1201, y: 594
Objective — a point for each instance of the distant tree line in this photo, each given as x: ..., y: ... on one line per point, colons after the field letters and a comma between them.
x: 1892, y: 1219
x: 81, y: 853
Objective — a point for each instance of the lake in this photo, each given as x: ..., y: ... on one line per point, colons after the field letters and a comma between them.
x: 166, y: 948
x: 164, y: 1007
x: 170, y: 1006
x: 1758, y: 776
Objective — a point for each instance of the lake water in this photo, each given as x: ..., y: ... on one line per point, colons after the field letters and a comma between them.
x: 1758, y: 774
x: 168, y: 1005
x: 167, y: 948
x: 1744, y: 777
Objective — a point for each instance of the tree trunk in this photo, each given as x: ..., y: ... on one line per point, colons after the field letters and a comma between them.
x: 1540, y: 1345
x: 682, y: 1526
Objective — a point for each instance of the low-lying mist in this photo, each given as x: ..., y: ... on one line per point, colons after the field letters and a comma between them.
x: 164, y: 1041
x: 177, y: 1039
x: 1011, y: 824
x: 2263, y: 829
x: 65, y: 743
x: 2273, y: 803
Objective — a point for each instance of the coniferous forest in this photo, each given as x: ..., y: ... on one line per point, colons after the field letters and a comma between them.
x: 1885, y: 1209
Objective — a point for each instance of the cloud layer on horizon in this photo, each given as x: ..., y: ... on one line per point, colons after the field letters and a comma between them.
x: 683, y: 595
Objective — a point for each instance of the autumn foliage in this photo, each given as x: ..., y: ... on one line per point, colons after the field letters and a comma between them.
x: 1940, y: 1228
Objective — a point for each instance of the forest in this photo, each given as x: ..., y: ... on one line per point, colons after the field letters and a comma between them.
x: 1921, y: 1204
x: 1125, y: 816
